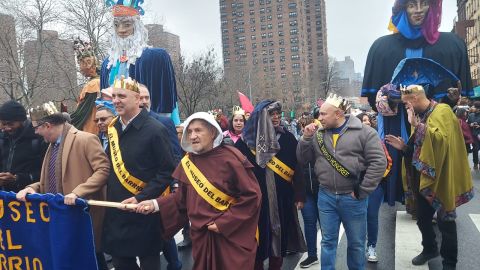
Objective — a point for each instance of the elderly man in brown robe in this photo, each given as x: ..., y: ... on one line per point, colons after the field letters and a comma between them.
x: 218, y: 193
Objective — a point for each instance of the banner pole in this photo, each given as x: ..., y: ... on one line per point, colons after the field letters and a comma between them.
x: 112, y: 204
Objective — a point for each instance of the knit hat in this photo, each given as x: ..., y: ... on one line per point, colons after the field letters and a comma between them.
x: 12, y: 111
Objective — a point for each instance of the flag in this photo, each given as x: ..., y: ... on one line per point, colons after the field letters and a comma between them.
x: 245, y: 102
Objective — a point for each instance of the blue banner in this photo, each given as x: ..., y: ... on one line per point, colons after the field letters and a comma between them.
x: 45, y: 234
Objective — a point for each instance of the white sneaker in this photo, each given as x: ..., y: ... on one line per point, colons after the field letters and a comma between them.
x: 372, y: 254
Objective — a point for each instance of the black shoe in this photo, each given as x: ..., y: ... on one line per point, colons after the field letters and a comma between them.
x: 309, y: 261
x: 184, y: 244
x: 422, y: 258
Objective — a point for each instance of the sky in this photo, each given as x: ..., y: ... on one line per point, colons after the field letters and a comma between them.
x: 352, y: 25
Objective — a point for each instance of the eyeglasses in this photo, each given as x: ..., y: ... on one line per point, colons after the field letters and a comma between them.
x: 102, y: 119
x: 39, y: 125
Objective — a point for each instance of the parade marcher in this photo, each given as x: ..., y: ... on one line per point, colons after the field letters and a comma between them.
x: 21, y: 150
x: 84, y: 115
x: 436, y: 162
x: 349, y: 163
x: 236, y: 124
x: 187, y: 241
x: 130, y: 56
x: 375, y: 200
x: 170, y: 248
x: 142, y: 164
x: 218, y: 193
x: 474, y: 122
x: 267, y: 145
x: 145, y: 103
x: 75, y: 165
x: 103, y: 117
x: 462, y: 115
x: 415, y: 26
x: 310, y: 209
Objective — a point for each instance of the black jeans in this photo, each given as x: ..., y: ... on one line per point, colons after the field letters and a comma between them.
x: 449, y: 248
x: 130, y: 263
x: 476, y: 147
x: 101, y: 262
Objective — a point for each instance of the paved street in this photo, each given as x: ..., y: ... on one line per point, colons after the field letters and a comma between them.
x: 399, y: 240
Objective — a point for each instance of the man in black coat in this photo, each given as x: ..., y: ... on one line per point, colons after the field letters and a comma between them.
x: 142, y: 164
x: 21, y: 150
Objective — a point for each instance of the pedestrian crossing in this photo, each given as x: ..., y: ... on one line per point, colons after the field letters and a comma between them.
x: 476, y: 220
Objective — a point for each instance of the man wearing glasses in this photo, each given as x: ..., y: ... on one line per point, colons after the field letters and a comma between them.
x: 103, y: 117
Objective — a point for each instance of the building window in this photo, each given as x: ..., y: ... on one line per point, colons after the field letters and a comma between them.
x: 270, y: 35
x: 292, y: 14
x: 269, y: 26
x: 271, y: 51
x: 281, y: 42
x: 252, y: 12
x: 254, y: 45
x: 253, y: 37
x: 280, y: 33
x: 281, y: 50
x: 279, y: 16
x: 251, y: 3
x: 252, y: 29
x: 264, y: 35
x: 294, y: 49
x: 293, y: 23
x: 293, y: 32
x: 280, y: 25
x: 264, y: 44
x: 292, y: 5
x: 295, y: 57
x: 282, y: 58
x: 295, y: 65
x: 283, y: 75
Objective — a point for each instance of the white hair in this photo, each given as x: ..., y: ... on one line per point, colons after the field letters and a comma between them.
x: 133, y: 45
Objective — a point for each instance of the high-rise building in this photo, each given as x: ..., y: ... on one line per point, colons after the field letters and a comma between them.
x: 159, y: 38
x: 468, y: 27
x: 51, y: 69
x: 273, y: 48
x: 345, y: 81
x: 9, y: 71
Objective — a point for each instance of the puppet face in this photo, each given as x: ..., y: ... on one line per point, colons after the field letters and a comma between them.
x: 417, y: 11
x: 124, y: 26
x: 88, y: 66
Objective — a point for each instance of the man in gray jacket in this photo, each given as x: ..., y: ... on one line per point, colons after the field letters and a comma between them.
x: 349, y: 164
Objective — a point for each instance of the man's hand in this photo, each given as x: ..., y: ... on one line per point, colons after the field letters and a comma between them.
x: 395, y: 142
x: 69, y: 199
x: 310, y: 130
x: 213, y: 227
x: 299, y: 205
x: 7, y: 178
x: 131, y: 200
x: 145, y: 207
x: 412, y: 117
x: 353, y: 195
x: 22, y: 194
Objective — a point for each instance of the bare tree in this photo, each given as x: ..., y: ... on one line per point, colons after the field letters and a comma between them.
x: 196, y: 80
x: 91, y: 19
x: 332, y: 73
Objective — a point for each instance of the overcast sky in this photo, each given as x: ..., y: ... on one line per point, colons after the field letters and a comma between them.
x: 352, y: 25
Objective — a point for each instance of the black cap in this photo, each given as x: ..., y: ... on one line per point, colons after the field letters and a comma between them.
x: 12, y: 111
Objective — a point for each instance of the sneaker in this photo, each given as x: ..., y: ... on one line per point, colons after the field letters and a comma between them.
x: 422, y: 258
x: 309, y: 261
x: 372, y: 254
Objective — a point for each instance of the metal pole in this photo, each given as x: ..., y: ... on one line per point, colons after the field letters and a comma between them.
x: 250, y: 84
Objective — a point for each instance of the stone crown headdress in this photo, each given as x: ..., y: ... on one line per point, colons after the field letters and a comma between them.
x: 238, y: 110
x: 42, y: 111
x: 83, y: 49
x: 127, y: 84
x: 338, y: 101
x: 125, y: 8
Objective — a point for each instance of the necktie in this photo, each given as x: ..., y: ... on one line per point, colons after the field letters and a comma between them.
x: 52, y: 181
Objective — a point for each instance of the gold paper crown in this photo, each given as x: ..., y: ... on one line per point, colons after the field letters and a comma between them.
x: 238, y: 110
x: 338, y: 101
x: 42, y: 111
x: 127, y: 84
x: 411, y: 89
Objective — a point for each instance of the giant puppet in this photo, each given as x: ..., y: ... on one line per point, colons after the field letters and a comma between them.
x: 415, y: 26
x: 130, y: 56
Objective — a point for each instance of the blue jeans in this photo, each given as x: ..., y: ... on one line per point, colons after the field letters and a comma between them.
x: 310, y: 218
x: 171, y: 255
x: 335, y: 209
x: 374, y: 202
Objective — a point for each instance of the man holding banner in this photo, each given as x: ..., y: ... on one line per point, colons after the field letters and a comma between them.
x: 142, y: 164
x: 75, y: 165
x: 219, y: 194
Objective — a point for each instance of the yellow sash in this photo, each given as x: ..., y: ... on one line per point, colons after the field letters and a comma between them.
x: 128, y: 181
x: 280, y: 168
x: 204, y: 188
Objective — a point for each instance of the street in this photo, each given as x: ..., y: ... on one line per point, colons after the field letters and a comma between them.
x: 399, y: 240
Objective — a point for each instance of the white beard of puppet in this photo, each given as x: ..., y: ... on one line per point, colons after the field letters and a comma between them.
x: 131, y: 46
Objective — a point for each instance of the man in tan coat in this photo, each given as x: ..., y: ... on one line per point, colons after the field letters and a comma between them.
x: 75, y: 165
